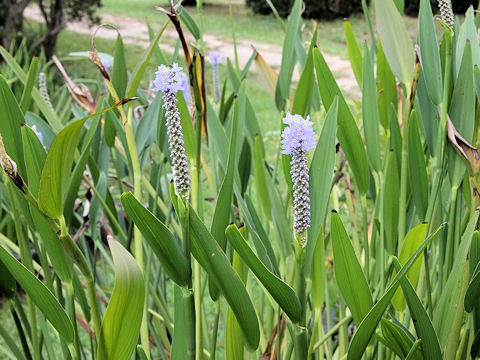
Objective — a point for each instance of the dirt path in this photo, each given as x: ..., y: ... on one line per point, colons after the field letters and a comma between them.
x: 135, y: 31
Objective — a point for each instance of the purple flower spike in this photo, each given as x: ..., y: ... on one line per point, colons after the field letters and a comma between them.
x: 169, y: 81
x: 298, y: 138
x: 216, y: 59
x: 168, y: 78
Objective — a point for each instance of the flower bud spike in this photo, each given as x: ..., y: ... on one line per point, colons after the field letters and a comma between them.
x: 298, y: 138
x: 169, y: 80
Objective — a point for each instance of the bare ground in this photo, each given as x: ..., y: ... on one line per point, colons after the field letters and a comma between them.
x: 135, y: 31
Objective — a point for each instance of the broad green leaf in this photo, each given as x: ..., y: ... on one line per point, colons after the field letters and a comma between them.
x: 288, y: 55
x: 304, y: 92
x: 412, y: 241
x: 34, y: 160
x: 121, y: 323
x: 40, y: 295
x: 321, y: 176
x: 423, y: 325
x: 160, y: 239
x: 430, y: 54
x: 348, y: 272
x: 370, y: 116
x: 428, y: 114
x: 56, y: 171
x: 212, y: 258
x: 417, y: 169
x: 354, y: 52
x: 280, y: 291
x: 395, y: 40
x: 396, y: 339
x: 364, y: 332
x: 179, y: 345
x: 348, y: 133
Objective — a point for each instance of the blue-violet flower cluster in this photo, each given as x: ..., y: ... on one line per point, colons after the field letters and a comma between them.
x: 216, y: 59
x: 298, y: 138
x: 169, y: 80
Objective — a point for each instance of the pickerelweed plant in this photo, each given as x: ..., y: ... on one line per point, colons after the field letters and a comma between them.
x: 150, y: 224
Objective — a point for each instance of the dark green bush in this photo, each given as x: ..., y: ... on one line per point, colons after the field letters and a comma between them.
x: 314, y: 9
x: 459, y: 6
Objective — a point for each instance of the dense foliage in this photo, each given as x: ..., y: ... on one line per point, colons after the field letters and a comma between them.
x: 314, y: 9
x: 143, y: 215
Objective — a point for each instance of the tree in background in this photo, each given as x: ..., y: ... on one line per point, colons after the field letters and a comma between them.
x: 56, y: 14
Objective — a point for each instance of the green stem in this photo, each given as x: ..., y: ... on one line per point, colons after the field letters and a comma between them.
x: 301, y: 345
x: 213, y: 347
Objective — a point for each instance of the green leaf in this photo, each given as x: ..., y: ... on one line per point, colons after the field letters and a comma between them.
x: 280, y: 291
x: 473, y: 290
x: 370, y: 111
x: 8, y: 286
x: 304, y: 92
x: 395, y: 40
x: 462, y: 114
x: 27, y: 90
x: 348, y: 133
x: 12, y: 118
x: 233, y: 333
x: 387, y: 87
x: 362, y: 336
x: 288, y: 55
x: 121, y: 323
x: 321, y: 176
x: 212, y: 258
x: 56, y: 170
x: 354, y: 53
x: 40, y: 295
x: 396, y: 338
x: 141, y: 67
x: 467, y: 34
x: 179, y: 345
x: 423, y: 325
x: 34, y: 160
x: 444, y: 312
x: 189, y: 22
x: 417, y: 168
x: 429, y: 51
x: 391, y: 195
x: 412, y: 241
x: 348, y: 272
x: 120, y: 74
x: 223, y: 207
x: 160, y: 239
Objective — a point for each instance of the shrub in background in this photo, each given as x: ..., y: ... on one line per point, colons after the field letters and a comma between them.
x: 459, y: 6
x: 314, y: 9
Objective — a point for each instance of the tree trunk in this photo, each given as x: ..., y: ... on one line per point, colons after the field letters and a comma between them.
x: 11, y: 20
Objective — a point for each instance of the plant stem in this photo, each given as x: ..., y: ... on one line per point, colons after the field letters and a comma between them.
x: 301, y: 345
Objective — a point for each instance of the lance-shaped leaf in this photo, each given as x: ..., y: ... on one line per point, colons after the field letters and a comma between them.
x: 348, y: 272
x: 212, y: 258
x: 397, y: 339
x: 423, y: 325
x: 395, y: 40
x: 362, y: 336
x: 40, y: 295
x: 160, y: 239
x: 267, y: 76
x: 354, y: 53
x: 280, y: 291
x: 121, y: 323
